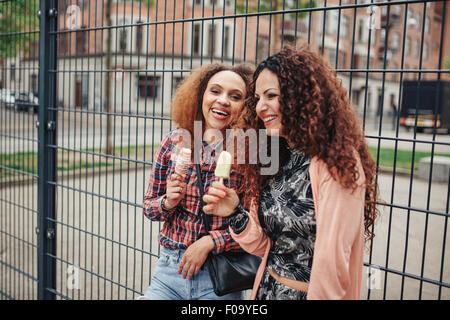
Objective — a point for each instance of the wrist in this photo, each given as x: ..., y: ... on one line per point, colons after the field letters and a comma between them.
x: 209, y: 242
x: 165, y: 205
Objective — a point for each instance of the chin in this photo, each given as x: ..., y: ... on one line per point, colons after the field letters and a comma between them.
x: 273, y: 132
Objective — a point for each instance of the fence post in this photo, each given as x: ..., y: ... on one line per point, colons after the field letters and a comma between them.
x: 46, y: 154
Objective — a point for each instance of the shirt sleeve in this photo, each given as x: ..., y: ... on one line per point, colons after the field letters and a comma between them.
x: 223, y: 241
x: 252, y: 238
x: 339, y: 214
x: 156, y: 191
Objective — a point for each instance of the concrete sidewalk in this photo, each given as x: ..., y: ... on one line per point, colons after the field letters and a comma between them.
x: 102, y: 232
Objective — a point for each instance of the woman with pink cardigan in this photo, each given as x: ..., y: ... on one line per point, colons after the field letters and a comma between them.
x: 308, y: 221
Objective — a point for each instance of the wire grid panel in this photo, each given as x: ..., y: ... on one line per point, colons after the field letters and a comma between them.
x: 19, y: 37
x: 118, y: 64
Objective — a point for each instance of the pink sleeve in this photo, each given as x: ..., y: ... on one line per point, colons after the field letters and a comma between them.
x: 339, y: 214
x: 252, y: 239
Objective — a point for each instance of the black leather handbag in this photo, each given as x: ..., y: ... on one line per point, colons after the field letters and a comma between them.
x: 229, y: 271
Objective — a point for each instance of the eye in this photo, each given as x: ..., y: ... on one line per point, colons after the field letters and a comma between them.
x: 272, y: 95
x: 236, y: 97
x: 215, y: 90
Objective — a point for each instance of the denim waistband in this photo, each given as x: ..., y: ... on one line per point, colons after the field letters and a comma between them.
x: 176, y: 254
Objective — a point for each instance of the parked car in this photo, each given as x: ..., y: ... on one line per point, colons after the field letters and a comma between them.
x: 26, y: 101
x: 425, y: 104
x: 7, y: 97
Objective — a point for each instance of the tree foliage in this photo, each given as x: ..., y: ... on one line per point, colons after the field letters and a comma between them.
x: 249, y: 6
x: 18, y: 24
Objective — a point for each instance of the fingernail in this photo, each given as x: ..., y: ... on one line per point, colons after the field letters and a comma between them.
x: 216, y: 199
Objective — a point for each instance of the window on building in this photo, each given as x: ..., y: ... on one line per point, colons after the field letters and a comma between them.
x: 34, y: 84
x: 395, y: 42
x: 356, y: 61
x: 425, y: 51
x: 148, y: 86
x: 62, y: 43
x: 416, y: 48
x: 407, y: 45
x: 212, y: 35
x: 139, y: 37
x: 176, y: 80
x: 360, y: 30
x: 332, y: 57
x: 263, y: 48
x: 81, y: 44
x: 427, y: 25
x: 332, y: 22
x: 344, y: 27
x: 342, y: 59
x: 409, y: 18
x: 226, y: 41
x: 13, y: 72
x: 122, y: 39
x: 196, y: 39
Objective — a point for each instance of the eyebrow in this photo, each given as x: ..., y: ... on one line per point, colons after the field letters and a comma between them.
x: 265, y: 91
x: 234, y: 89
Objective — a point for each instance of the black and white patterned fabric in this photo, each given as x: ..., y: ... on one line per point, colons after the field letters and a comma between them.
x: 286, y: 214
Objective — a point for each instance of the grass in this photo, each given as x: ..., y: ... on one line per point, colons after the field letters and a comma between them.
x: 28, y: 161
x: 404, y: 157
x: 67, y: 161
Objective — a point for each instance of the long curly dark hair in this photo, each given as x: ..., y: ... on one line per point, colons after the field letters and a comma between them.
x: 317, y: 119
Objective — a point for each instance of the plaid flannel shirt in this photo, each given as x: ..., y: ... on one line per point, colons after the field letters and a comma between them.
x: 183, y: 225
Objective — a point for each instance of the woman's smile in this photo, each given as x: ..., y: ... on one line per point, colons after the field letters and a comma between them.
x: 223, y: 99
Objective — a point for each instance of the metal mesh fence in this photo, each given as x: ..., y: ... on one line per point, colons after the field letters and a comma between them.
x: 85, y: 98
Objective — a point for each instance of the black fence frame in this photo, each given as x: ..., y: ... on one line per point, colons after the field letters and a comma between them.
x: 44, y: 280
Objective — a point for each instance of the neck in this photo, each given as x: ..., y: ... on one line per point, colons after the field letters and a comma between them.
x: 212, y: 135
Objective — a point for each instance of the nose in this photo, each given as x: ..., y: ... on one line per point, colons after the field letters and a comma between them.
x: 260, y: 106
x: 223, y: 100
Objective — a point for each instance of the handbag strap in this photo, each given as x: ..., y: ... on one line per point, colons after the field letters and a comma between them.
x: 202, y: 192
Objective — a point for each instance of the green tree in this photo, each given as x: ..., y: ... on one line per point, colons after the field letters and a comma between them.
x: 254, y: 6
x: 447, y: 62
x: 18, y: 24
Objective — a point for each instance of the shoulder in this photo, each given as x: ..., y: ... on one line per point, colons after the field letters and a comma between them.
x: 321, y: 176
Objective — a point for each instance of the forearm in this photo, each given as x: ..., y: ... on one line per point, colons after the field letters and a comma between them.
x: 155, y: 210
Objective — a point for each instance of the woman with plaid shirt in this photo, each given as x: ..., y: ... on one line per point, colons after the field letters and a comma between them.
x: 212, y: 96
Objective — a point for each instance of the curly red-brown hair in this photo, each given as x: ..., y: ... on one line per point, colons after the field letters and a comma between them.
x: 317, y: 119
x: 186, y: 106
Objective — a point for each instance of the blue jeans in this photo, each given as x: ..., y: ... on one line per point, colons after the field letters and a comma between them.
x: 167, y: 284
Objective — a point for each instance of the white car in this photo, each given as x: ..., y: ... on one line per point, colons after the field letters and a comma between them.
x: 7, y: 98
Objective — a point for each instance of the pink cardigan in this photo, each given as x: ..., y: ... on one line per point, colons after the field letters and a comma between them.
x: 339, y: 248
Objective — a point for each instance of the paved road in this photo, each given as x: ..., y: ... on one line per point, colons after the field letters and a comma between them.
x: 101, y: 230
x: 84, y: 130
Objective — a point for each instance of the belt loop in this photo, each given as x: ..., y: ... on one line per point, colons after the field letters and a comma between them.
x: 179, y: 255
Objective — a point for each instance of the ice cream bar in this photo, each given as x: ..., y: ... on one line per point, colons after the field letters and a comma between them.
x: 223, y: 165
x: 183, y: 161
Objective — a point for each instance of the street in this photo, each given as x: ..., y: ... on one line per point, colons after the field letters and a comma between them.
x: 82, y: 130
x: 102, y: 233
x: 106, y: 244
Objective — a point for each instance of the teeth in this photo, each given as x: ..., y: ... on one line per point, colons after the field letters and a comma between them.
x: 269, y: 119
x: 220, y: 112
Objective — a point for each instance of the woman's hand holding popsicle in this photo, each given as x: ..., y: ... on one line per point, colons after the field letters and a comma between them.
x: 221, y: 200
